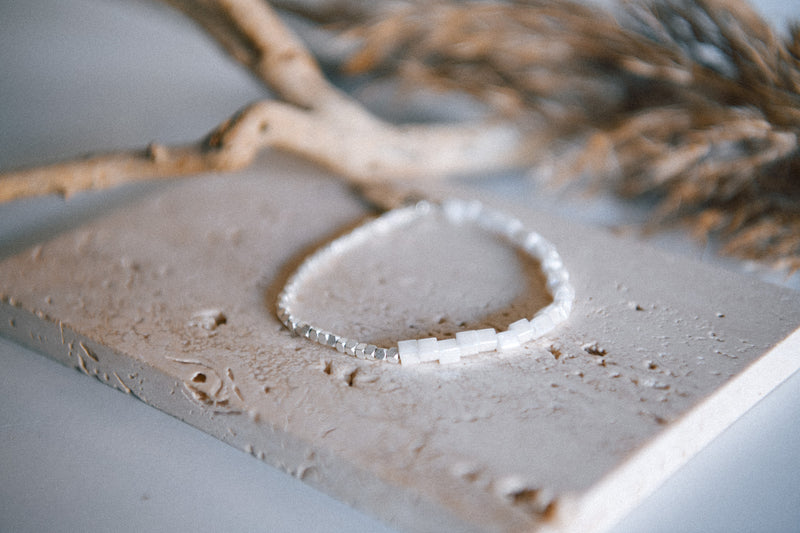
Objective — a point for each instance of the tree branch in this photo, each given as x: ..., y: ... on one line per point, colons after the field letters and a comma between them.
x: 359, y: 147
x: 315, y: 120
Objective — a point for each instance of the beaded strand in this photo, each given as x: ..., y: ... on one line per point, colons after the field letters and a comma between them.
x: 466, y: 343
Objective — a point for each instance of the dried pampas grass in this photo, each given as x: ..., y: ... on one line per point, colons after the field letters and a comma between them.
x: 694, y: 102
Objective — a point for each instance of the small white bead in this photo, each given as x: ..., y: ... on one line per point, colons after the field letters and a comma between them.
x: 517, y: 237
x: 532, y: 243
x: 454, y: 210
x: 468, y: 342
x: 552, y: 263
x: 507, y: 340
x: 522, y: 329
x: 423, y: 207
x: 473, y: 210
x: 512, y: 227
x: 556, y: 280
x: 494, y: 222
x: 487, y: 339
x: 544, y: 249
x: 428, y: 349
x: 449, y: 352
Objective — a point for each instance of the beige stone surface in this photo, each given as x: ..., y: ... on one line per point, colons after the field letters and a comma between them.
x: 171, y: 299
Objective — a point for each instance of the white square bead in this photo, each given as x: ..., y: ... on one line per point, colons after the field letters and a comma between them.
x: 468, y: 342
x: 507, y: 340
x: 564, y: 293
x: 449, y: 352
x: 542, y: 325
x: 555, y: 313
x: 408, y: 352
x: 487, y: 339
x: 522, y: 328
x: 428, y: 349
x: 558, y: 312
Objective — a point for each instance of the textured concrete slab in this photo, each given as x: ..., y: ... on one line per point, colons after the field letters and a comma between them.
x: 171, y: 299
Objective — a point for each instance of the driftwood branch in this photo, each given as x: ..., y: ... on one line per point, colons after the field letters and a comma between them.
x: 349, y: 142
x: 313, y: 119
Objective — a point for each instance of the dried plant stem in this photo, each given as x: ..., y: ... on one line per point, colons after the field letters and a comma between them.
x: 361, y: 148
x: 692, y: 103
x: 314, y: 119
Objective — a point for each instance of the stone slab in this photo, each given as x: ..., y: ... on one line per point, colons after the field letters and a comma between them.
x: 658, y: 357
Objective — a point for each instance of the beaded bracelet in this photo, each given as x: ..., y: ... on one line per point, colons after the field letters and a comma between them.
x: 466, y: 343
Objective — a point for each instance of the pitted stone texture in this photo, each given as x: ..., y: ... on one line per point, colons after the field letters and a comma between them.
x: 556, y: 417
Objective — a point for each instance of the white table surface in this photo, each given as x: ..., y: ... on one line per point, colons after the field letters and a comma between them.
x: 76, y: 455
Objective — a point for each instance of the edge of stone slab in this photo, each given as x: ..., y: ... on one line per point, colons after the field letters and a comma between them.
x: 599, y: 509
x: 628, y: 485
x: 354, y: 486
